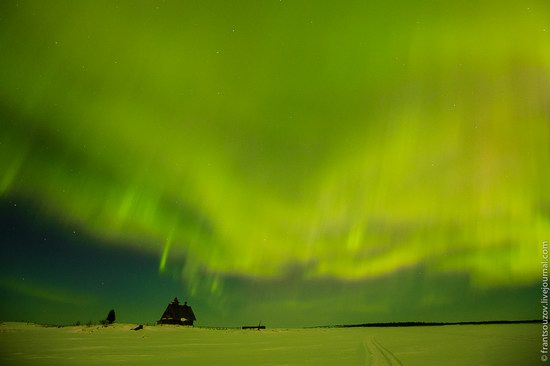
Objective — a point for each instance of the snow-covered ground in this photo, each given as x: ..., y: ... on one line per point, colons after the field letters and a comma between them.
x: 27, y: 344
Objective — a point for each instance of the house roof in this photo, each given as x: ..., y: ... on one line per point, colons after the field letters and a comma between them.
x: 176, y: 311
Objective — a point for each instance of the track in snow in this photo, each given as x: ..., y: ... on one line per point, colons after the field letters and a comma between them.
x: 378, y: 355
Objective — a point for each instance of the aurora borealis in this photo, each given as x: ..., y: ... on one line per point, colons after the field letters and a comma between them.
x: 296, y: 162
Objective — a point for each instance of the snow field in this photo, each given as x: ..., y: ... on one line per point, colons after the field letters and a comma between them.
x: 29, y: 344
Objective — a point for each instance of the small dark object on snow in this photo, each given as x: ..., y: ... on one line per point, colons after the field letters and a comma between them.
x: 139, y: 327
x: 259, y: 326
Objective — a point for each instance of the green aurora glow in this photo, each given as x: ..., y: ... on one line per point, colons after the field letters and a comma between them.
x: 292, y: 141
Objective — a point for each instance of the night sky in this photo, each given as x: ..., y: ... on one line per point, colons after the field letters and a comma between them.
x: 290, y: 162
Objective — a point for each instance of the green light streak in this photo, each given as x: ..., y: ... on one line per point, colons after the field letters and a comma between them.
x: 42, y: 291
x: 165, y: 251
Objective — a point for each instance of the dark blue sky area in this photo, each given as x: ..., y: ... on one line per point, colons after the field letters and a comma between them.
x: 55, y: 273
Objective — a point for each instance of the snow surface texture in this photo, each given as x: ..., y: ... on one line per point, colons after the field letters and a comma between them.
x: 28, y: 344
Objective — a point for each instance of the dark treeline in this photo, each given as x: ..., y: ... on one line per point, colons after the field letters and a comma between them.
x: 429, y: 324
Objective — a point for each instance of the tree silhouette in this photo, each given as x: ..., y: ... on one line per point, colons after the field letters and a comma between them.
x: 111, y: 317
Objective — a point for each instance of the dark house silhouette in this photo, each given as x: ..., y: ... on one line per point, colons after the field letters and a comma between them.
x: 177, y: 314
